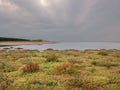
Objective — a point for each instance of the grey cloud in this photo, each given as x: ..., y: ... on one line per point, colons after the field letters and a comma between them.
x: 62, y: 20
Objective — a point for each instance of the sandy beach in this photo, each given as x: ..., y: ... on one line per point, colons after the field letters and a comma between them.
x: 13, y: 43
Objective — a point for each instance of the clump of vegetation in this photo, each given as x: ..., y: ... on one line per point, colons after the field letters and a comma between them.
x: 30, y: 67
x: 94, y: 63
x: 88, y: 83
x: 103, y: 53
x: 65, y: 68
x: 50, y: 49
x: 51, y: 83
x: 52, y: 58
x: 5, y: 81
x: 72, y: 62
x: 107, y: 64
x: 8, y: 67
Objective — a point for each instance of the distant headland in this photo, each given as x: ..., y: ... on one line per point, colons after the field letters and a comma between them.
x: 4, y: 41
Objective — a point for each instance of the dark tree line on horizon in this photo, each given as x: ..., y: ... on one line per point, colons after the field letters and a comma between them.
x: 12, y: 39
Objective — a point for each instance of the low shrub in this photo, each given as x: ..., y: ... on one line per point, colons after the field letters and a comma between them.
x: 94, y: 63
x: 65, y: 68
x: 103, y: 53
x: 31, y: 67
x: 50, y: 49
x: 52, y: 58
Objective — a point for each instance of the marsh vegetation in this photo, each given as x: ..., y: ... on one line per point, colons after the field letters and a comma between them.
x: 60, y: 70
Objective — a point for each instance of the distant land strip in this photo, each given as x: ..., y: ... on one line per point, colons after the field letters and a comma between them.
x: 18, y: 41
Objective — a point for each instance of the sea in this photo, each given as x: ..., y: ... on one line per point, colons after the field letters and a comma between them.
x: 68, y: 45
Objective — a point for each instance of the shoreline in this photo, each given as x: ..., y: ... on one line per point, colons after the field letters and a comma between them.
x: 16, y: 43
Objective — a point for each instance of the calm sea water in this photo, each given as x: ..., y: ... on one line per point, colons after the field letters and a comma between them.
x: 78, y: 45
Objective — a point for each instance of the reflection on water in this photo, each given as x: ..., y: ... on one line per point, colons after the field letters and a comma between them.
x: 63, y: 46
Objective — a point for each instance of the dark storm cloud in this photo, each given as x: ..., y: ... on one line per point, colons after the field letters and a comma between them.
x: 61, y: 20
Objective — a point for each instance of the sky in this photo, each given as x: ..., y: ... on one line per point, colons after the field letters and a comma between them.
x: 61, y: 20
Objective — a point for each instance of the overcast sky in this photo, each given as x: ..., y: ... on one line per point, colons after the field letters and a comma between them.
x: 61, y: 20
